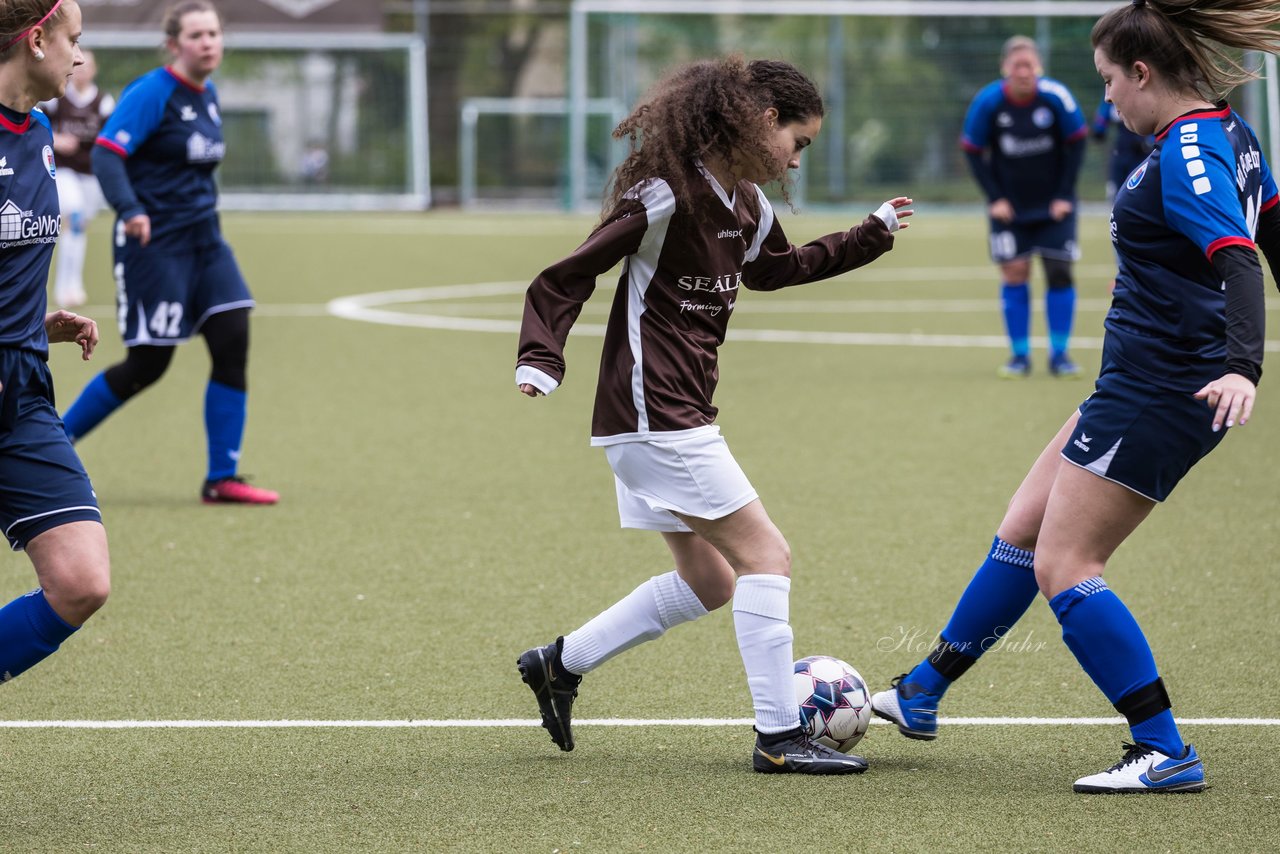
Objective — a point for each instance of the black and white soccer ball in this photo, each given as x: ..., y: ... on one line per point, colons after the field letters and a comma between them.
x: 835, y: 705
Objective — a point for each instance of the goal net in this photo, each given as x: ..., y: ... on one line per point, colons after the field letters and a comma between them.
x: 897, y: 78
x: 312, y: 122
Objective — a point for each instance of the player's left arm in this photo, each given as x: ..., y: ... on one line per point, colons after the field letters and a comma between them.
x: 773, y: 262
x: 1203, y: 204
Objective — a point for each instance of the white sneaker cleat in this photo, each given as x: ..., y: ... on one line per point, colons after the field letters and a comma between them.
x: 1145, y: 769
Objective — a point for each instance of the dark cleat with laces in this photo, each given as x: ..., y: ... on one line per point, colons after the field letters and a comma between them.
x: 555, y: 688
x: 794, y: 752
x: 1145, y: 769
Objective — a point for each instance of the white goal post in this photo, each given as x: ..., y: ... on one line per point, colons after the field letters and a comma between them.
x: 307, y: 76
x: 583, y: 12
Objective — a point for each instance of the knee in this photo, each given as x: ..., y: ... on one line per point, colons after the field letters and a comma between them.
x: 1015, y: 272
x: 1057, y: 273
x: 79, y: 598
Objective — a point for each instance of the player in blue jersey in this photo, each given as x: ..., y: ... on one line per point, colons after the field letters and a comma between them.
x: 1185, y: 330
x: 1128, y: 149
x: 175, y: 275
x: 1024, y: 139
x: 47, y: 505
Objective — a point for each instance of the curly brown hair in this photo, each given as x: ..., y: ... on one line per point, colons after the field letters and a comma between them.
x: 1190, y: 41
x: 712, y: 107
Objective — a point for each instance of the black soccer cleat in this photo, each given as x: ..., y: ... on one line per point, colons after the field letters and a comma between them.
x: 555, y: 688
x: 795, y: 752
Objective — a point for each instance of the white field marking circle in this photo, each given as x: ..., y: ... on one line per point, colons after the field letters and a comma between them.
x: 481, y: 723
x: 370, y: 308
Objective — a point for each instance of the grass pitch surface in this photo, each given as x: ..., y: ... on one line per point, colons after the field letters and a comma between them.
x: 434, y: 523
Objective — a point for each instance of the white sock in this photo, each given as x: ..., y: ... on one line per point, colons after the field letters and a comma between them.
x: 645, y: 613
x: 761, y: 605
x: 68, y: 279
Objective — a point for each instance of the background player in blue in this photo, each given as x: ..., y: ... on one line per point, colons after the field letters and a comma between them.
x: 1024, y: 138
x: 1185, y: 329
x: 47, y: 505
x: 175, y: 275
x: 1128, y: 149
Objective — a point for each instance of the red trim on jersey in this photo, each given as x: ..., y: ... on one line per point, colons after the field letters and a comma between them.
x: 1220, y: 113
x: 1224, y: 242
x: 969, y: 146
x: 10, y: 126
x: 184, y: 81
x: 1025, y: 102
x: 1270, y: 203
x: 114, y: 148
x: 1080, y: 134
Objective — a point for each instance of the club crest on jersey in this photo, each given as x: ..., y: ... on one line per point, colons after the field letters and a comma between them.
x: 47, y: 154
x: 213, y: 114
x: 1042, y: 117
x: 1135, y: 177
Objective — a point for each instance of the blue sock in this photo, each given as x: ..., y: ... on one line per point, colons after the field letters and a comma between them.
x: 224, y: 416
x: 95, y: 403
x: 30, y: 631
x: 1060, y: 311
x: 1109, y: 645
x: 1001, y: 591
x: 1015, y: 299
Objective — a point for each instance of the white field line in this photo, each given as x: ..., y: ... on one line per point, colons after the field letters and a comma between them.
x: 512, y: 723
x: 370, y: 308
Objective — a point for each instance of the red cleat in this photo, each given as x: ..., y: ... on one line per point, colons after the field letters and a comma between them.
x: 234, y: 490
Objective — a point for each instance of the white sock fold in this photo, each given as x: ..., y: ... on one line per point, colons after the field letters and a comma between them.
x: 661, y: 603
x: 761, y: 606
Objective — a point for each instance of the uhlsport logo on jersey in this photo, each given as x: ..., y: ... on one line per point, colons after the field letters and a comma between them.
x: 1135, y: 177
x: 21, y: 228
x: 5, y: 169
x: 49, y: 166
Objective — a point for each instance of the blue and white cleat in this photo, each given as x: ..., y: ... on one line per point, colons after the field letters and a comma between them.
x: 1145, y: 769
x: 1060, y: 365
x: 1018, y: 367
x: 906, y: 704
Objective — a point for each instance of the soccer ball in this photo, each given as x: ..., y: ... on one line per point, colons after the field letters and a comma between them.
x: 835, y: 705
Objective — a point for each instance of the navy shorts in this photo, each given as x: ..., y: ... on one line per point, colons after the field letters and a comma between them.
x: 42, y: 483
x: 1139, y: 435
x: 164, y: 291
x: 1051, y: 238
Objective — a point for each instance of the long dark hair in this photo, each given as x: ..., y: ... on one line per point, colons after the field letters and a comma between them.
x: 712, y: 107
x: 1193, y: 43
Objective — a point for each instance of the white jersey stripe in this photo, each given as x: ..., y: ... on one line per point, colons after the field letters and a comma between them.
x: 762, y: 230
x: 659, y: 204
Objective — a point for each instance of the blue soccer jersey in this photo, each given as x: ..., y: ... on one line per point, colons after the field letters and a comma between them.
x: 29, y: 226
x: 170, y: 134
x: 1202, y: 189
x: 1028, y: 141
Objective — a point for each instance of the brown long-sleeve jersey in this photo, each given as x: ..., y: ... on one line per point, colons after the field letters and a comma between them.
x: 680, y: 279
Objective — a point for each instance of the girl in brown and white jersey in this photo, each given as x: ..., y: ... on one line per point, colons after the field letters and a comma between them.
x: 686, y: 218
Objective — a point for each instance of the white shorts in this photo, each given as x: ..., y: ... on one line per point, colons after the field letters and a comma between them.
x: 695, y: 477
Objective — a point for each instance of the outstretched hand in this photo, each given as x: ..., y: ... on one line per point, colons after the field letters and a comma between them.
x: 1232, y: 398
x: 891, y: 213
x: 530, y: 390
x: 64, y: 326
